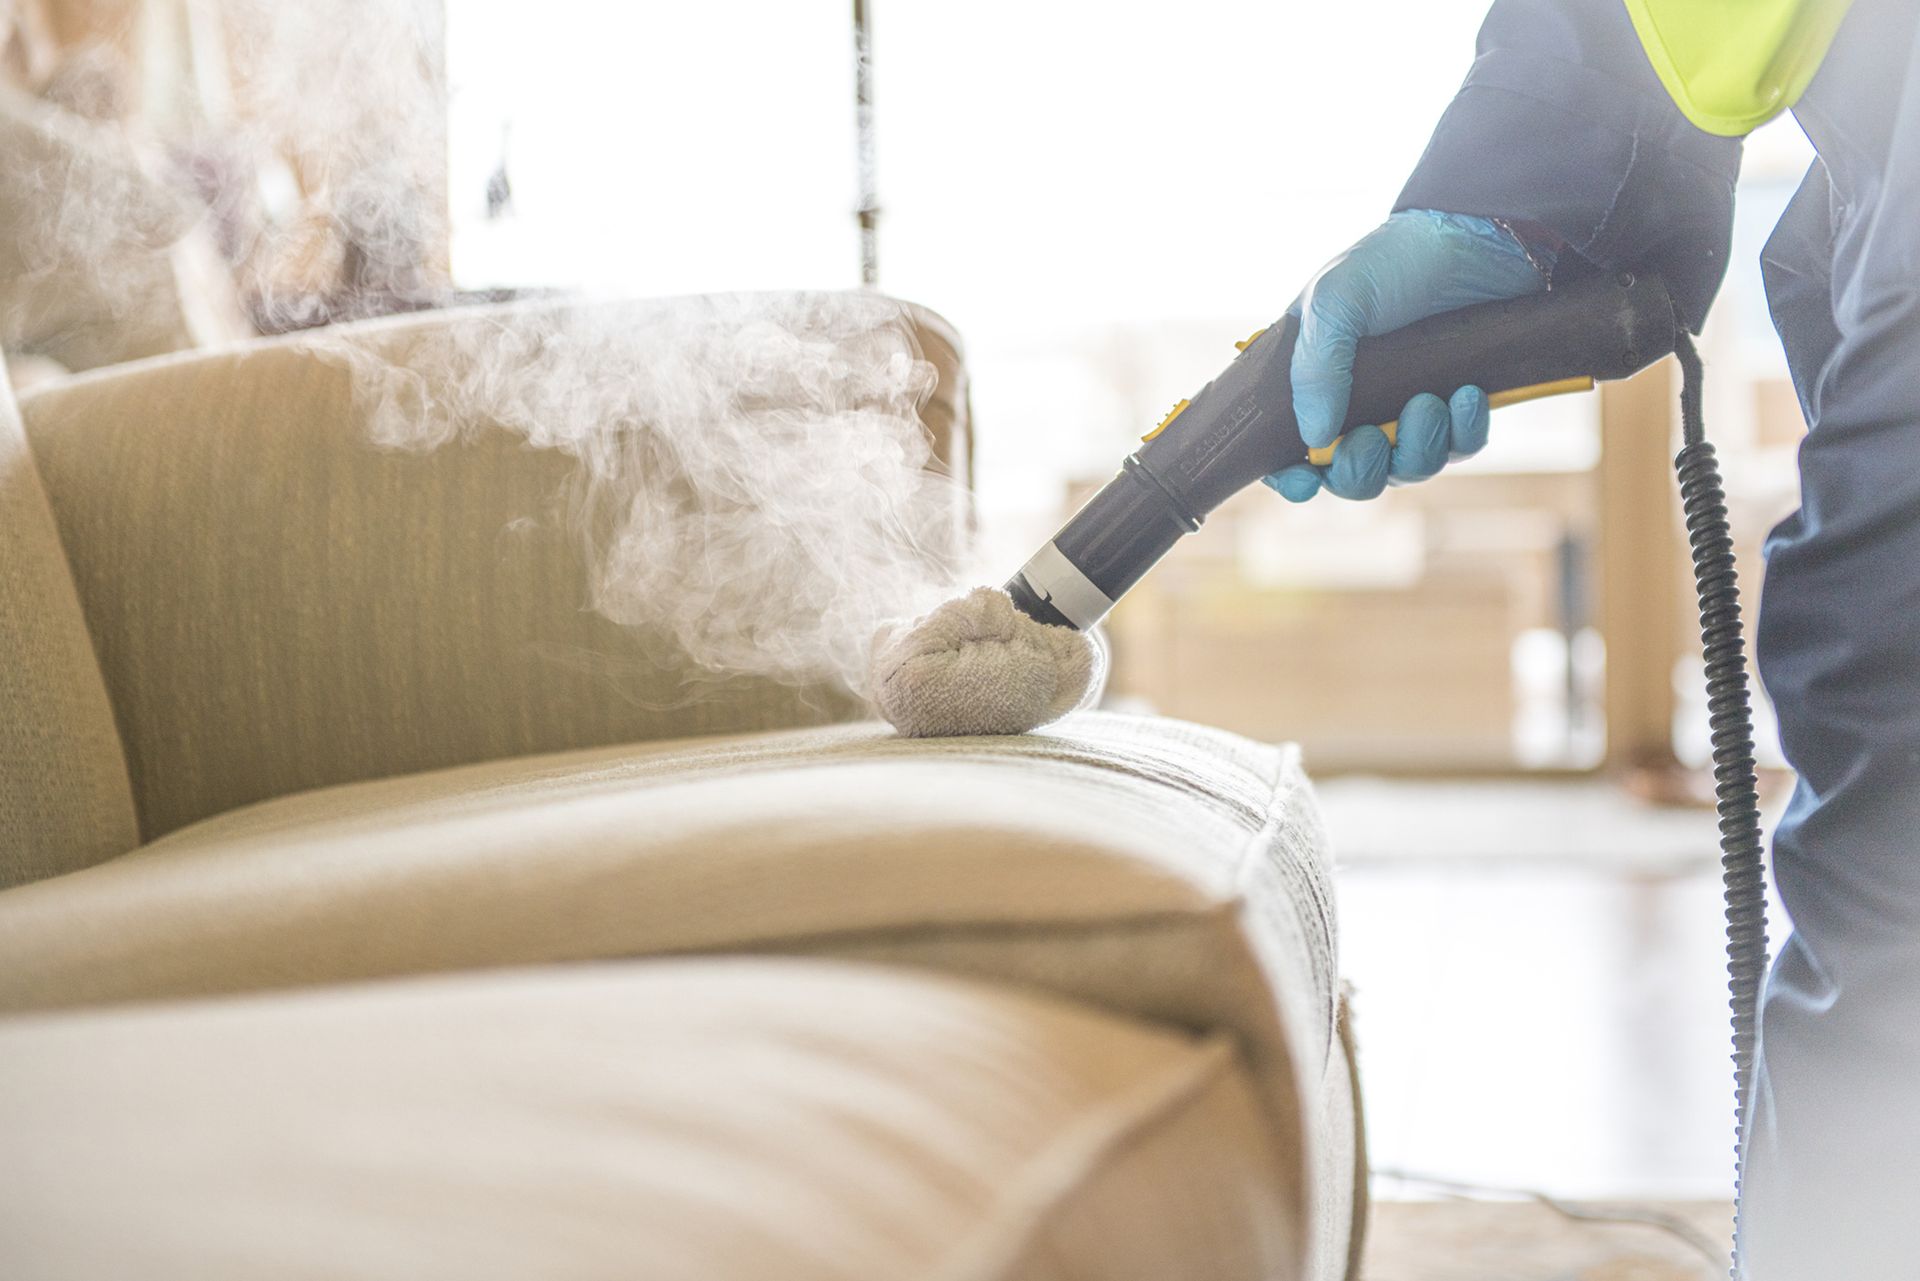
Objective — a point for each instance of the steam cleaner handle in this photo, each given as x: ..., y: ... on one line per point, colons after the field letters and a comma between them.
x: 1602, y: 327
x: 1240, y: 427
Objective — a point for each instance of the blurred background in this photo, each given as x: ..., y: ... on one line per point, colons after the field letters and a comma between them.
x: 1494, y: 677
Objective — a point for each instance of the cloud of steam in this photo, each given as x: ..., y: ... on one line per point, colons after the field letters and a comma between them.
x: 351, y: 96
x: 751, y: 480
x: 218, y: 163
x: 86, y: 234
x: 751, y: 484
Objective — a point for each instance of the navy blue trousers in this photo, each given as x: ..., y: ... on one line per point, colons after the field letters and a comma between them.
x: 1833, y: 1155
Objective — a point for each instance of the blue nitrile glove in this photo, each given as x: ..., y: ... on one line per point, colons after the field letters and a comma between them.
x: 1416, y: 264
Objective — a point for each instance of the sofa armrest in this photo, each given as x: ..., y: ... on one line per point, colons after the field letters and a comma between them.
x: 280, y: 604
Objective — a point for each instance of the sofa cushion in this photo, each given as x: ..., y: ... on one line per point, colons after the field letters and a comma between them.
x: 1162, y: 870
x: 280, y: 604
x: 65, y: 800
x: 686, y: 1120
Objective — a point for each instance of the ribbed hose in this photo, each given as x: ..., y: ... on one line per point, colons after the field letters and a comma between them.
x: 1731, y: 721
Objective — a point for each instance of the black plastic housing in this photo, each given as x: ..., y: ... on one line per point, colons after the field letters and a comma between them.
x: 1240, y: 427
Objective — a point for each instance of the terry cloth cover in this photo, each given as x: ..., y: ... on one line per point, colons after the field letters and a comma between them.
x: 977, y: 665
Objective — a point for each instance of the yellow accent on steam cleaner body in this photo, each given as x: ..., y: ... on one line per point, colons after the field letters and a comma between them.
x: 1240, y: 427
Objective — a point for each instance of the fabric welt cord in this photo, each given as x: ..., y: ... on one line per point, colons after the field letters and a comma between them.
x: 977, y: 665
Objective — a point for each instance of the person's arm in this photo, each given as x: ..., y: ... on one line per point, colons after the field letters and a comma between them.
x: 1562, y: 153
x: 1562, y: 125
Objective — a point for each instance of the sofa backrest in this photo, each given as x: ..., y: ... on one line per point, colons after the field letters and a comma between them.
x: 65, y: 800
x: 278, y: 604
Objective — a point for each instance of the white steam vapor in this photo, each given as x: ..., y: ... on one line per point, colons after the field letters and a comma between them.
x: 236, y: 161
x: 751, y: 484
x: 86, y: 230
x: 751, y: 479
x: 351, y: 95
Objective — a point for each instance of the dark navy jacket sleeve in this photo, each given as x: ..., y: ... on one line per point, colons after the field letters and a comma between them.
x: 1563, y: 123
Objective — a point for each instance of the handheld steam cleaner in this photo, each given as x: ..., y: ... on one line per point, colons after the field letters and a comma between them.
x: 1240, y: 427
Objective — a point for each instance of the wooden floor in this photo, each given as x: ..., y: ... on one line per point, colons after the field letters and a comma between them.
x: 1518, y: 1241
x: 1539, y: 1003
x: 1539, y: 986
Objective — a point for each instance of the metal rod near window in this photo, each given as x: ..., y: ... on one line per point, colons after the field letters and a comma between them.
x: 867, y: 207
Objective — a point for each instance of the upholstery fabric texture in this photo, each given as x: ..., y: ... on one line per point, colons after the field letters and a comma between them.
x: 678, y: 1120
x: 65, y: 801
x: 278, y: 605
x: 1143, y: 866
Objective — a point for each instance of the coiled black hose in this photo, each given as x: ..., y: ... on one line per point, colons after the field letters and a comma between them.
x: 1730, y: 718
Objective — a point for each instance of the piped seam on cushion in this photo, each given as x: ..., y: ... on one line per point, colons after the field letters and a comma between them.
x: 1266, y: 1046
x: 935, y: 931
x: 29, y: 994
x: 825, y: 747
x: 1319, y: 924
x: 1067, y: 1164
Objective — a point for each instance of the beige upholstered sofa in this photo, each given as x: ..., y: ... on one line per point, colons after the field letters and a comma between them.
x: 345, y: 932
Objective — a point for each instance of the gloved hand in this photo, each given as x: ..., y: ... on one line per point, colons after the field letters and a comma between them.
x: 1417, y: 263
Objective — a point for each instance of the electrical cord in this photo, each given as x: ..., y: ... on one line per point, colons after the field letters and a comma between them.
x: 1730, y: 720
x: 1736, y: 798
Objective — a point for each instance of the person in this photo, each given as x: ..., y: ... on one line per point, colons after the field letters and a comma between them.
x: 1602, y: 135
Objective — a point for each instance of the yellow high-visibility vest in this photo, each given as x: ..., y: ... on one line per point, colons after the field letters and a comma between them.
x: 1733, y: 65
